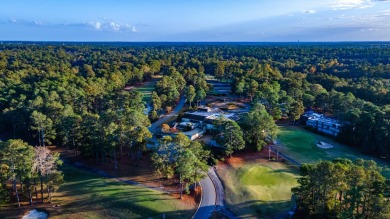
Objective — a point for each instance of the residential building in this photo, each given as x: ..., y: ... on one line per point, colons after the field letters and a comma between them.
x: 322, y: 123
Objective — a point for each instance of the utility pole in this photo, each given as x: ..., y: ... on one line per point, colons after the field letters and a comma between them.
x: 269, y: 153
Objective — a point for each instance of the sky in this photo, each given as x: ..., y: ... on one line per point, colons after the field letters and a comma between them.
x: 195, y: 20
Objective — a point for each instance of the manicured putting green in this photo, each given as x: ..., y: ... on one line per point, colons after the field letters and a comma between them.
x: 259, y: 190
x: 268, y: 184
x: 266, y: 177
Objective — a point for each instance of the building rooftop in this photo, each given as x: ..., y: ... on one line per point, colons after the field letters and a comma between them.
x: 312, y: 116
x: 202, y: 115
x: 193, y: 116
x: 193, y: 132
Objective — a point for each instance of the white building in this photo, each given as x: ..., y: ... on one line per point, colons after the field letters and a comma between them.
x: 206, y: 119
x: 323, y: 124
x: 194, y: 134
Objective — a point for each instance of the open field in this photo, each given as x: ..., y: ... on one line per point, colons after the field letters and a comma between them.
x: 257, y: 188
x: 86, y: 195
x: 300, y: 145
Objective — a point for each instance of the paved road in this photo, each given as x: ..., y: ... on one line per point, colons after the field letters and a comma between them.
x: 212, y: 189
x: 212, y: 197
x: 174, y: 112
x: 218, y: 187
x: 209, y: 198
x: 220, y: 192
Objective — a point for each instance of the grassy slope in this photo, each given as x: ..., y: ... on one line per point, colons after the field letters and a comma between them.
x: 148, y: 87
x: 301, y: 145
x: 259, y: 189
x: 146, y: 90
x: 86, y: 195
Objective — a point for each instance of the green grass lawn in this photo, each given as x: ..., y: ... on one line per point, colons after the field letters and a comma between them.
x: 147, y: 89
x: 259, y: 190
x: 86, y: 195
x: 300, y: 145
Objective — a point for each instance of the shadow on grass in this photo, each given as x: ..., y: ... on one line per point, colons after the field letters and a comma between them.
x: 259, y: 209
x: 287, y: 170
x: 104, y: 198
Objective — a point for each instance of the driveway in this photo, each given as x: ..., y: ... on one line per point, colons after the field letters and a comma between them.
x: 174, y: 112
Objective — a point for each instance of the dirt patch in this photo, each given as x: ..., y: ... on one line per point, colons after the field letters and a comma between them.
x: 145, y: 83
x: 240, y: 158
x: 192, y: 198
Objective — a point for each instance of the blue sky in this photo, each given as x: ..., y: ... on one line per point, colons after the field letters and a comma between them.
x: 200, y: 20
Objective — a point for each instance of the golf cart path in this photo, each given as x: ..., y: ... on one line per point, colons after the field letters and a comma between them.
x: 212, y: 197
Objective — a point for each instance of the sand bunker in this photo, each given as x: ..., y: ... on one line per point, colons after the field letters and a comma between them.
x: 324, y: 145
x: 34, y: 214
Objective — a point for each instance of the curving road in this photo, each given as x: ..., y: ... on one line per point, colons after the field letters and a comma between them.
x: 208, y: 201
x: 212, y: 197
x: 212, y: 188
x: 174, y: 112
x: 220, y: 192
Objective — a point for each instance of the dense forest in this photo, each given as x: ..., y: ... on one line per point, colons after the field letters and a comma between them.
x: 72, y: 95
x: 59, y: 85
x: 342, y: 189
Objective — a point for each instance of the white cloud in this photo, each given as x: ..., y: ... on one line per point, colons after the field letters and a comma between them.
x: 112, y: 26
x: 352, y: 4
x: 25, y: 22
x: 95, y: 25
x: 309, y: 11
x: 386, y: 12
x: 105, y: 25
x: 368, y: 29
x: 98, y: 25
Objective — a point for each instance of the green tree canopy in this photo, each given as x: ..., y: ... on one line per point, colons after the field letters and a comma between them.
x: 259, y: 127
x: 342, y: 189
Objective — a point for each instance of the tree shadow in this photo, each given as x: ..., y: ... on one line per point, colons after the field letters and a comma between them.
x: 261, y: 209
x: 106, y: 198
